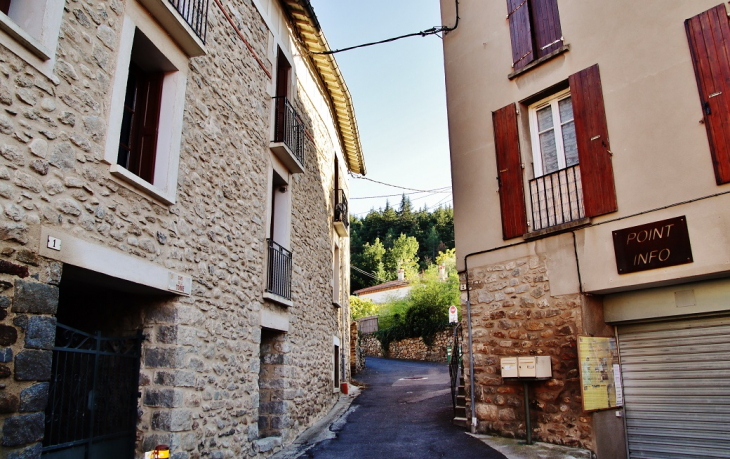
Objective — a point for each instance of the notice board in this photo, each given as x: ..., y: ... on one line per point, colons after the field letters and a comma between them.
x: 600, y: 374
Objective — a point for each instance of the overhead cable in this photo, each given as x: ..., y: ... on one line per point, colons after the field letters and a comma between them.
x: 424, y: 33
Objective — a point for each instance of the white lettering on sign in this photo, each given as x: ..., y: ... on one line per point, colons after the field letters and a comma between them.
x: 180, y: 284
x: 649, y: 235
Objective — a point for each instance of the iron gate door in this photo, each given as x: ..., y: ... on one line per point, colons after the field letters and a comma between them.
x: 92, y: 403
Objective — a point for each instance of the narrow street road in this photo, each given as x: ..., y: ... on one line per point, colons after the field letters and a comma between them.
x: 404, y: 411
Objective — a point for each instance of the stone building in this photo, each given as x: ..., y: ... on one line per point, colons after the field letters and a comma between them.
x: 174, y: 230
x: 591, y: 201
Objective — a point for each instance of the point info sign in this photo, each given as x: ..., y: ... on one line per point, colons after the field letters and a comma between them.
x: 651, y: 246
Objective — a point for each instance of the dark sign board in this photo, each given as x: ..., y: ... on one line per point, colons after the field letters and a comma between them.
x: 651, y: 246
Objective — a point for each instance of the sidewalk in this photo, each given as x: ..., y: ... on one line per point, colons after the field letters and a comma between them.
x: 517, y: 449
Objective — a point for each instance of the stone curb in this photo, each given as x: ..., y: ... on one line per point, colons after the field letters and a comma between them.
x: 517, y: 449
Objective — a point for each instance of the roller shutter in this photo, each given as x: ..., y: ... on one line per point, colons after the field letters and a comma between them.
x: 677, y: 388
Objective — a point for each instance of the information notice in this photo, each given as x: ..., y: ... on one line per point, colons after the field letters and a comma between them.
x: 599, y: 373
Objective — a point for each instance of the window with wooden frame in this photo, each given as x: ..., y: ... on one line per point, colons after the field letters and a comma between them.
x: 708, y: 34
x: 535, y: 30
x: 573, y: 173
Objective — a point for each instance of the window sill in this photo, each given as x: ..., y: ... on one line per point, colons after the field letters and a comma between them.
x: 337, y: 304
x: 539, y: 62
x: 142, y: 185
x: 552, y: 230
x: 22, y: 37
x: 278, y: 299
x: 285, y: 155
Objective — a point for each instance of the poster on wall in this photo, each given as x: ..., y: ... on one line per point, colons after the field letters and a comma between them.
x: 599, y: 373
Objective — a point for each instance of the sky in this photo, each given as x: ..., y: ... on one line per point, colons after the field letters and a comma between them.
x: 399, y: 96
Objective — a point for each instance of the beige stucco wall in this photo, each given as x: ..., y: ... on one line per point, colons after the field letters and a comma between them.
x: 661, y: 153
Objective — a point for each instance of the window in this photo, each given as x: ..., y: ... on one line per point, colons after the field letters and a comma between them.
x: 708, y: 35
x: 535, y: 30
x: 29, y: 28
x: 289, y: 135
x: 573, y: 173
x: 279, y: 260
x: 146, y: 114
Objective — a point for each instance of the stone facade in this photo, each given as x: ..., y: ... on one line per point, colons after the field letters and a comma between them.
x: 214, y: 381
x: 410, y: 348
x: 514, y: 314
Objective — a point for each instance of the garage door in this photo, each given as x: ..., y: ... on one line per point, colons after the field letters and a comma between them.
x: 677, y: 388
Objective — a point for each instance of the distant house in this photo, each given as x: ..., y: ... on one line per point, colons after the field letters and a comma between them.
x: 386, y: 291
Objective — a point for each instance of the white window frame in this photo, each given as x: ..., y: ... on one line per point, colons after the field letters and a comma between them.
x: 30, y: 31
x: 551, y: 101
x: 172, y: 107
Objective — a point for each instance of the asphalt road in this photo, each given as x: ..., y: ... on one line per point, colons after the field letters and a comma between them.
x: 403, y: 412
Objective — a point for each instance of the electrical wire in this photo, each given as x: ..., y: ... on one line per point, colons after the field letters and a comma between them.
x: 424, y: 33
x: 362, y: 271
x: 434, y: 191
x: 362, y: 177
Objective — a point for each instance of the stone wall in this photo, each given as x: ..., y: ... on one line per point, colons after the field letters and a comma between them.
x: 514, y: 314
x: 410, y: 348
x: 201, y: 357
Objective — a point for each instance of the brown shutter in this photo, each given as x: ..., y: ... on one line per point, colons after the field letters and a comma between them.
x: 546, y: 26
x: 148, y: 108
x: 518, y: 12
x: 509, y: 175
x: 594, y: 156
x: 709, y: 38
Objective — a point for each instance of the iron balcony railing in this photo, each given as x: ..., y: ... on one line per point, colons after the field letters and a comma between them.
x: 557, y: 198
x: 279, y: 270
x: 341, y: 210
x: 195, y: 13
x: 289, y: 128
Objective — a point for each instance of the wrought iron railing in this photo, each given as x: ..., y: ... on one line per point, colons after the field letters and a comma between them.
x: 341, y: 210
x: 195, y: 13
x: 279, y: 270
x: 557, y: 198
x: 289, y: 128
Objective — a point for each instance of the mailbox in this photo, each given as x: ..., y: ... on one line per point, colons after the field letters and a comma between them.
x: 534, y: 367
x: 509, y: 367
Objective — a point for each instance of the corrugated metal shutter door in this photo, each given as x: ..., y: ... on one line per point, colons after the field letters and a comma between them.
x: 677, y: 388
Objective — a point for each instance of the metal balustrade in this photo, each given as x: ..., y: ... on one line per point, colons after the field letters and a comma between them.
x: 195, y: 13
x: 341, y: 210
x: 289, y: 128
x: 557, y: 198
x: 279, y: 270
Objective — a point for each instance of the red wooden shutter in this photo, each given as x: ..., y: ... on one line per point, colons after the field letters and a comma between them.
x: 148, y: 109
x: 709, y: 42
x: 518, y: 12
x: 509, y: 175
x: 5, y: 6
x: 546, y: 26
x: 596, y: 170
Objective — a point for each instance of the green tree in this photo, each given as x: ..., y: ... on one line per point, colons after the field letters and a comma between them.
x: 403, y: 255
x: 433, y: 239
x: 360, y: 308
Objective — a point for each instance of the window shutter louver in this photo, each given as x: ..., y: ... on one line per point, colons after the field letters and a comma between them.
x: 520, y: 30
x: 709, y: 40
x: 546, y: 26
x: 509, y: 172
x: 150, y: 94
x: 596, y: 169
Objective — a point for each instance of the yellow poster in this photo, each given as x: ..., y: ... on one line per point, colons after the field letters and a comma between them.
x: 599, y: 373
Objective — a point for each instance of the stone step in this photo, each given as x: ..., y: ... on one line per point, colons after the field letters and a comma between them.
x: 462, y: 391
x: 460, y: 412
x: 461, y: 422
x: 461, y: 400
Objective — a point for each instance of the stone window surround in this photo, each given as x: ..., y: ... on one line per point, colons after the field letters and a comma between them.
x: 31, y: 39
x: 164, y: 186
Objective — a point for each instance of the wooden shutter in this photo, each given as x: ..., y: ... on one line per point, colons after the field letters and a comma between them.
x: 709, y: 42
x: 596, y: 170
x: 546, y: 26
x: 509, y: 175
x: 520, y: 30
x: 149, y: 95
x: 5, y: 6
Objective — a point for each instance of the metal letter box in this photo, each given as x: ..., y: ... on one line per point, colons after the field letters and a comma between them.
x: 534, y: 367
x: 509, y: 367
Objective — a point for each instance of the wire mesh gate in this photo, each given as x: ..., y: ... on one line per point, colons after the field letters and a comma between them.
x: 92, y: 404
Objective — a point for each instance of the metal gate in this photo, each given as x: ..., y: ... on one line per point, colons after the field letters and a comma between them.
x: 676, y: 379
x: 92, y: 404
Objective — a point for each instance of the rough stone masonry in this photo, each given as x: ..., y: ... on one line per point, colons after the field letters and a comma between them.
x: 200, y: 366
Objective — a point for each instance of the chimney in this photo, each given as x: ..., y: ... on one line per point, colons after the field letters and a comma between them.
x: 401, y: 274
x: 442, y: 272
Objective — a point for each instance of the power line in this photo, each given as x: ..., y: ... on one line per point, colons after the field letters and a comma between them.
x: 361, y: 271
x: 362, y: 177
x: 424, y: 33
x: 434, y: 191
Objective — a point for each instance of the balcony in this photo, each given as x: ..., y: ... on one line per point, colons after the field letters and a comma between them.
x: 288, y: 143
x: 185, y: 20
x: 342, y: 215
x: 279, y: 267
x: 557, y: 198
